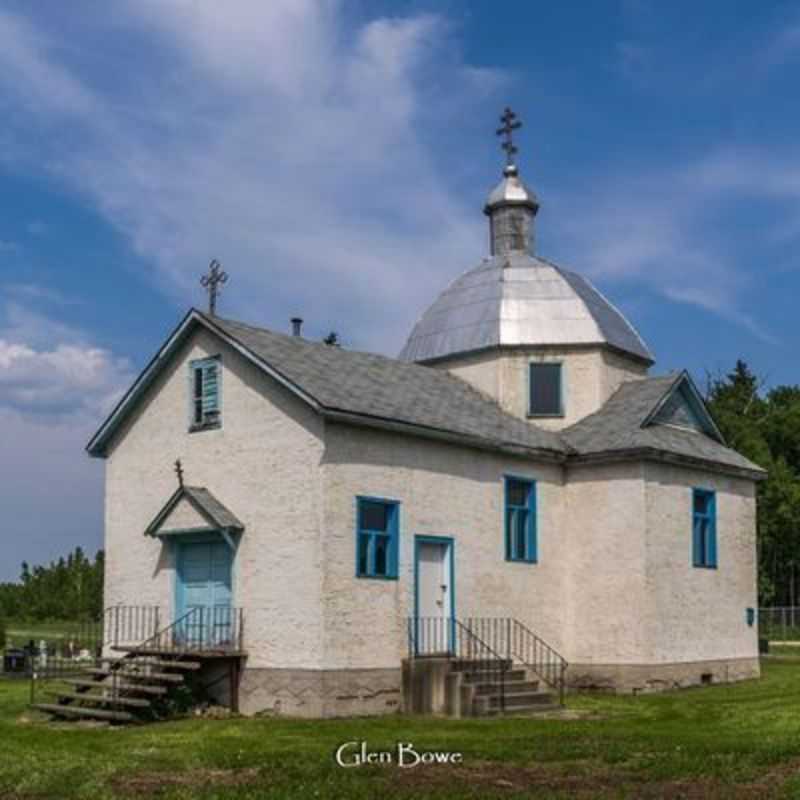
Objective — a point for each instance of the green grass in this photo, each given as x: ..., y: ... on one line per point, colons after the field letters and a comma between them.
x: 721, y: 741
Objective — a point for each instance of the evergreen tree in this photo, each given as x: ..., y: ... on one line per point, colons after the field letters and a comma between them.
x: 766, y: 429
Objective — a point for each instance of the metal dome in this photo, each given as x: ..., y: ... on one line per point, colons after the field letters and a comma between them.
x: 519, y: 300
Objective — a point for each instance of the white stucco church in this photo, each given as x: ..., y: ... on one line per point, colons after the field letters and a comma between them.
x: 515, y: 488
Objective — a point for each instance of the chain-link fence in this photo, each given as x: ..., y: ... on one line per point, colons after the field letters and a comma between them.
x: 779, y: 624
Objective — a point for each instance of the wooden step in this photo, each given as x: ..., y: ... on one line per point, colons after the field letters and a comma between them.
x: 135, y: 688
x: 87, y: 713
x: 190, y: 665
x: 133, y: 674
x: 133, y: 702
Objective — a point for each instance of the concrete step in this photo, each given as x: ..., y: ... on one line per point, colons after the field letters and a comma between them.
x: 478, y: 664
x: 511, y: 687
x: 131, y: 673
x: 486, y: 676
x: 516, y: 699
x: 134, y: 688
x: 84, y: 713
x: 99, y: 699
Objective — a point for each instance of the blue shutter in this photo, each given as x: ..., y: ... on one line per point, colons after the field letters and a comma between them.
x: 712, y: 531
x: 210, y: 387
x: 394, y: 542
x: 533, y: 523
x: 697, y: 543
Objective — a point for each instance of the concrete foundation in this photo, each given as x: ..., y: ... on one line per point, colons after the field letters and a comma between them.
x: 636, y: 678
x: 320, y: 693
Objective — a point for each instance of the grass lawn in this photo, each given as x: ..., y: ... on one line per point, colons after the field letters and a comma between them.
x: 718, y: 741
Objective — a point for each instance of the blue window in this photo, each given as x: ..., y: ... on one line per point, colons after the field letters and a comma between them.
x: 521, y: 527
x: 204, y: 387
x: 546, y: 390
x: 704, y: 528
x: 376, y: 538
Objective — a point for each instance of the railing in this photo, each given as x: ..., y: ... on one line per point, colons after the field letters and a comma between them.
x: 514, y: 640
x: 130, y: 624
x: 203, y: 629
x: 431, y: 637
x: 507, y: 638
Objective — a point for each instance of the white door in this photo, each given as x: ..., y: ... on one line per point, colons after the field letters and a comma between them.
x: 434, y: 596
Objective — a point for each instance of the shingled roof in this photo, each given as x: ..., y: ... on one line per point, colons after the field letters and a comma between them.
x: 215, y: 513
x: 622, y: 426
x: 369, y: 385
x: 369, y: 389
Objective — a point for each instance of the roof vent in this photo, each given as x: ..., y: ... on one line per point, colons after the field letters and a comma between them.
x: 297, y: 324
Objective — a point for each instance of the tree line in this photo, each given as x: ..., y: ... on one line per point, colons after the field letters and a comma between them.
x: 68, y: 589
x: 765, y: 427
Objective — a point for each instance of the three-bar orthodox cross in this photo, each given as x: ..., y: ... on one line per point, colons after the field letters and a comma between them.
x: 212, y: 283
x: 179, y: 472
x: 510, y: 124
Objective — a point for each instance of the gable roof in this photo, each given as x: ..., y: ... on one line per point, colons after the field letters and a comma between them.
x: 640, y: 420
x: 356, y: 387
x: 629, y: 423
x: 211, y: 510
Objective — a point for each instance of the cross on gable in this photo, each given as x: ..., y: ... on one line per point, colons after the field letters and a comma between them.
x: 179, y: 471
x: 212, y: 284
x: 510, y: 124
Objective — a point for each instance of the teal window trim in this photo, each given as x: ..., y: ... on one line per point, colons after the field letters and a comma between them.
x: 521, y: 517
x: 205, y: 394
x: 561, y: 390
x: 704, y: 528
x: 376, y: 545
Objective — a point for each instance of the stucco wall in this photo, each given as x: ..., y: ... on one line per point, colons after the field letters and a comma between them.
x: 444, y: 490
x: 605, y: 564
x: 263, y: 464
x: 694, y: 613
x: 635, y: 598
x: 590, y: 377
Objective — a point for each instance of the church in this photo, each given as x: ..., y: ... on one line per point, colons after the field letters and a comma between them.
x: 511, y: 508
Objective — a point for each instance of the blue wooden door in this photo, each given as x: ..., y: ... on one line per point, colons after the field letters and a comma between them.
x: 204, y: 589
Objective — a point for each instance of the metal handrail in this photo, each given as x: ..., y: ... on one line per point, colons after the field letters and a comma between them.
x: 539, y: 656
x: 450, y: 638
x: 515, y: 640
x: 200, y: 629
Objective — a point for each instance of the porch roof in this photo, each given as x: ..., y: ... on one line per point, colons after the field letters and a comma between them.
x: 193, y: 509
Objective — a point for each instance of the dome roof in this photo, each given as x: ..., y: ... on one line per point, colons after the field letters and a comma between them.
x: 518, y: 299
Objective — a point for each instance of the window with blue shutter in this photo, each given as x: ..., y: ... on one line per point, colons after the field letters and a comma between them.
x: 376, y: 538
x: 704, y: 528
x: 521, y: 523
x: 205, y: 378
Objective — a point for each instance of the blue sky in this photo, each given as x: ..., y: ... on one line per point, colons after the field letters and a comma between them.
x: 335, y: 157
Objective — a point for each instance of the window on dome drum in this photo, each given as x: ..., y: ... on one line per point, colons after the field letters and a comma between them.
x: 204, y: 387
x: 376, y: 538
x: 546, y: 396
x: 704, y: 528
x: 521, y: 522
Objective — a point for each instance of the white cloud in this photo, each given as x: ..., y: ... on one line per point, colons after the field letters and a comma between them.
x: 56, y: 386
x: 277, y: 139
x: 50, y: 371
